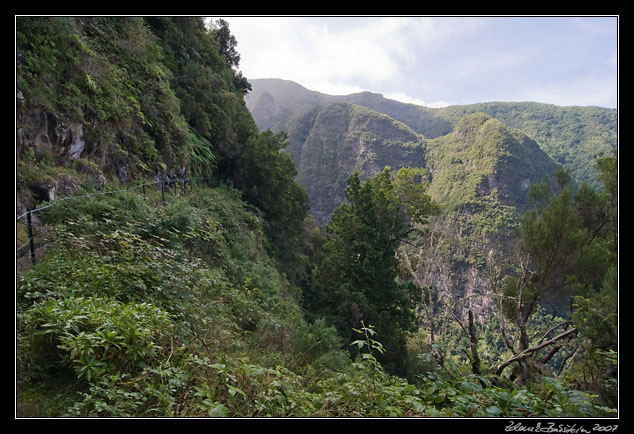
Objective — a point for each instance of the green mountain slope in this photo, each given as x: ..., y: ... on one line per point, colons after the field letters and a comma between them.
x: 127, y: 99
x: 341, y: 139
x: 150, y: 296
x: 571, y: 136
x: 477, y: 158
x: 479, y: 168
x: 483, y: 158
x: 480, y: 174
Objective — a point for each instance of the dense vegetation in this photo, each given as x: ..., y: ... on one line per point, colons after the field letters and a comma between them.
x: 356, y: 267
x: 571, y: 136
x: 224, y: 298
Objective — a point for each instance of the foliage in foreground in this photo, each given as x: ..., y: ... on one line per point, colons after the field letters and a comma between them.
x: 145, y: 310
x: 177, y: 309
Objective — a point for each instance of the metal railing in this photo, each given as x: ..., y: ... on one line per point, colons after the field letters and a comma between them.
x: 26, y: 218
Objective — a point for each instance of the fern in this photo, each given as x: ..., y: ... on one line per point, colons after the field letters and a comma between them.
x: 202, y: 158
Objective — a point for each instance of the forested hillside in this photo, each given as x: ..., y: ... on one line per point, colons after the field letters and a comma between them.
x: 480, y: 160
x: 572, y: 136
x: 168, y: 264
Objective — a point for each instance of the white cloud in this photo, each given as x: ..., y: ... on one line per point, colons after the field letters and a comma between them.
x: 336, y: 88
x: 427, y: 61
x: 399, y: 96
x: 358, y: 51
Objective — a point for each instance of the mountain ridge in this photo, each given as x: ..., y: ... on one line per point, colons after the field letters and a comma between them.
x: 571, y: 136
x: 377, y: 139
x: 478, y: 167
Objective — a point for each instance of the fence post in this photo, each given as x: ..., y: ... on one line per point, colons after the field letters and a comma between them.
x: 29, y: 227
x: 163, y: 190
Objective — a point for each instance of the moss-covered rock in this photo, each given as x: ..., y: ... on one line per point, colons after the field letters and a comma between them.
x: 344, y: 138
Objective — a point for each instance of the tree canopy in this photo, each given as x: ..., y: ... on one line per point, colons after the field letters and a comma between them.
x: 355, y: 278
x: 567, y: 249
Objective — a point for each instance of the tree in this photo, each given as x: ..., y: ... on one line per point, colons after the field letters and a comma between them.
x: 594, y: 286
x: 550, y: 237
x: 227, y: 42
x: 201, y: 62
x: 421, y: 262
x: 266, y: 176
x: 565, y: 250
x: 355, y: 277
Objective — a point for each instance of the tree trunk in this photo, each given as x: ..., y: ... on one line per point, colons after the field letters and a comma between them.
x: 475, y: 358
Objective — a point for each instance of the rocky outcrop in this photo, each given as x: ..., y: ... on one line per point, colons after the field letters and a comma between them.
x: 75, y: 150
x: 63, y: 185
x: 341, y: 139
x: 46, y: 133
x: 45, y: 137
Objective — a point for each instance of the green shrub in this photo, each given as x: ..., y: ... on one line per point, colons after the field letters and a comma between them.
x: 317, y: 345
x: 96, y: 335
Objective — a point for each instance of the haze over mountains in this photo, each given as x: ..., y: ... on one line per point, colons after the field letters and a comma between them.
x: 480, y: 161
x: 491, y: 148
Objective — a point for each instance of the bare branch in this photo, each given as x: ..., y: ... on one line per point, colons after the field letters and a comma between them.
x: 552, y: 329
x: 529, y: 351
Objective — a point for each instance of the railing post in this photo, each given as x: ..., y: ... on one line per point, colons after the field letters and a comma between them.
x: 29, y: 227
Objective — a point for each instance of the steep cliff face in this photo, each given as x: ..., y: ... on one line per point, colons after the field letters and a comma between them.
x: 480, y: 170
x: 330, y: 143
x: 122, y: 99
x: 42, y: 135
x: 480, y: 173
x: 482, y: 159
x: 93, y: 100
x: 46, y: 133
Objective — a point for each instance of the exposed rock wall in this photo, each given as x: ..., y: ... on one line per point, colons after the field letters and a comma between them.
x: 344, y: 138
x: 45, y: 133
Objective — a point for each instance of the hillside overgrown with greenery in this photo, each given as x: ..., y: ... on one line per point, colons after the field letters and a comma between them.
x: 571, y: 136
x: 211, y: 291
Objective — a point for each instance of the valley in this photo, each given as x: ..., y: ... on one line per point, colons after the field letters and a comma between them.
x: 212, y: 245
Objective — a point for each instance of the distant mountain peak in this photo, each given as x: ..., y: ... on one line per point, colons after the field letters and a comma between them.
x: 571, y: 136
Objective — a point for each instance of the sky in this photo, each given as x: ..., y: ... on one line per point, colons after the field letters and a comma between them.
x: 438, y: 61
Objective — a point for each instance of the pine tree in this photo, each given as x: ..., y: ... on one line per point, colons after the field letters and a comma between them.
x: 355, y: 279
x: 566, y: 248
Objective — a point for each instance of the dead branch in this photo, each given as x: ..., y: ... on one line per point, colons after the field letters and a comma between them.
x: 529, y: 351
